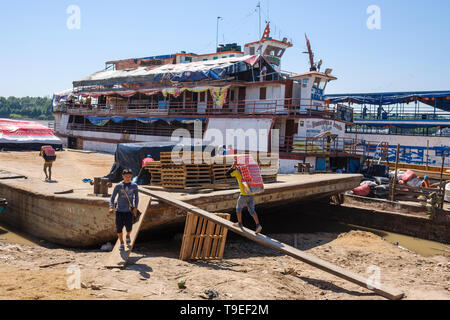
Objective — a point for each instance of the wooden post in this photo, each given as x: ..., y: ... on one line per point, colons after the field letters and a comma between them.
x: 440, y: 183
x: 394, y: 182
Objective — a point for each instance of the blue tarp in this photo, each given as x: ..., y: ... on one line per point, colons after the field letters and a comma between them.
x: 101, y: 121
x: 441, y: 101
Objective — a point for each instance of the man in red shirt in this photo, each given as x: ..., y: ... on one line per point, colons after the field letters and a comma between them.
x: 147, y: 159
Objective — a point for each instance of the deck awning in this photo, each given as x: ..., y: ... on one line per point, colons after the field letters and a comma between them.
x: 438, y: 99
x: 194, y: 71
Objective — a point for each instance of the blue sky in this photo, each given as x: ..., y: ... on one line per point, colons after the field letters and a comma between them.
x: 39, y: 55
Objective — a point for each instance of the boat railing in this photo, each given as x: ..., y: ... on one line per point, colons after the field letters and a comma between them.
x: 404, y: 116
x: 246, y: 108
x: 126, y: 129
x: 323, y: 146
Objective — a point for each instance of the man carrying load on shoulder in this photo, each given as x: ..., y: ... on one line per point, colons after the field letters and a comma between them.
x: 49, y: 155
x: 246, y: 199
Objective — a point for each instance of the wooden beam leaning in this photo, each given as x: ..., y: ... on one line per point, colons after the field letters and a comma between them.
x: 118, y: 258
x: 380, y: 289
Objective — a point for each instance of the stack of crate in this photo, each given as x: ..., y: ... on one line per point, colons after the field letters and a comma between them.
x: 187, y: 174
x: 220, y: 166
x: 155, y: 172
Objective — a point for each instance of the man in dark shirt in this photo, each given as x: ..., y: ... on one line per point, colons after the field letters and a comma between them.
x: 128, y: 194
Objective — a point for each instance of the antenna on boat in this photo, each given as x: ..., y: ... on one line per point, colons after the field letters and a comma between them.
x: 259, y: 10
x: 311, y: 54
x: 217, y: 32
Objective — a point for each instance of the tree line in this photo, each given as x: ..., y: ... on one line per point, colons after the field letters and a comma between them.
x: 26, y: 108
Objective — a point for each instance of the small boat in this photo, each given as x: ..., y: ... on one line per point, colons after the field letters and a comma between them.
x: 3, y: 204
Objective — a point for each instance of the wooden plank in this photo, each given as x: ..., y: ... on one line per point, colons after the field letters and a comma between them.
x: 380, y: 289
x: 118, y: 258
x: 394, y: 181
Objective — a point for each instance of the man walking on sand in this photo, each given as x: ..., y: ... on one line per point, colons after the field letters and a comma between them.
x: 128, y: 194
x: 48, y: 153
x: 245, y: 200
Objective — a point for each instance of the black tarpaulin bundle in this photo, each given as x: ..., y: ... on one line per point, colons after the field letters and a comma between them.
x: 130, y: 156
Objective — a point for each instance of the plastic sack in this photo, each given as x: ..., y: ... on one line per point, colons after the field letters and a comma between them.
x: 49, y: 153
x: 408, y: 175
x: 363, y: 190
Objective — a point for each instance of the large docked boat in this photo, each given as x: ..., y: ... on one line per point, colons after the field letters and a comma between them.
x: 232, y: 97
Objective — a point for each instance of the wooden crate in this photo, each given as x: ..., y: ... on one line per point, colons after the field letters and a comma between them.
x: 203, y: 239
x: 192, y: 158
x: 182, y: 176
x: 155, y: 172
x: 219, y: 174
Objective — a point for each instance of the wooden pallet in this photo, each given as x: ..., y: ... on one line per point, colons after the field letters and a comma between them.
x: 155, y: 172
x: 193, y: 158
x: 203, y: 239
x: 182, y: 176
x: 219, y: 173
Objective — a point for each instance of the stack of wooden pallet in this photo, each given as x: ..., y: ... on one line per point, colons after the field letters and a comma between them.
x: 155, y: 172
x: 191, y: 172
x: 219, y: 167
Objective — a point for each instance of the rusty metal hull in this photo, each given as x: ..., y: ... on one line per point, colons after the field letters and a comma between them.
x: 80, y: 221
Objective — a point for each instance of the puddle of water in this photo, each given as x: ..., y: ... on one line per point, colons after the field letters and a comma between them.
x: 11, y: 235
x: 289, y: 221
x: 423, y: 247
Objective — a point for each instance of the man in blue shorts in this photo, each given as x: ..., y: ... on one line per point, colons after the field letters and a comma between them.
x: 128, y: 194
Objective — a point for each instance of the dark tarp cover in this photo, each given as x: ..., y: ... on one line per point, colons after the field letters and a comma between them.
x: 130, y: 155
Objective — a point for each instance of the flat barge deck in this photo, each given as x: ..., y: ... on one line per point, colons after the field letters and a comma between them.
x: 77, y: 219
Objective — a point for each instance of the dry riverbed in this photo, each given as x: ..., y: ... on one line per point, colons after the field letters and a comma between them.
x: 248, y: 271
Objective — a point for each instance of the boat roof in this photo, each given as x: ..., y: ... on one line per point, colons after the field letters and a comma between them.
x: 194, y: 71
x: 438, y: 99
x: 313, y: 73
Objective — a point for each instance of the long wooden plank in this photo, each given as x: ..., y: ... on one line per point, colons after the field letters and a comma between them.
x: 380, y: 289
x: 118, y: 258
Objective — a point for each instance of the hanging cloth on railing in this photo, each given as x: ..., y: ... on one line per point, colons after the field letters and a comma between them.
x: 219, y: 95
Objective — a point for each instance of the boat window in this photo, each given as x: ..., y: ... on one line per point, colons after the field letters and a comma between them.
x: 252, y: 51
x: 323, y: 84
x: 305, y: 83
x: 317, y: 82
x: 202, y: 96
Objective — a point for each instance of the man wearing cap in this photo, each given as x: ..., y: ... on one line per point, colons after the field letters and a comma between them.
x: 126, y: 207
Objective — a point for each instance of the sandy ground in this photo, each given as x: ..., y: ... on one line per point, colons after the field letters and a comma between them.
x: 248, y: 271
x: 68, y: 171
